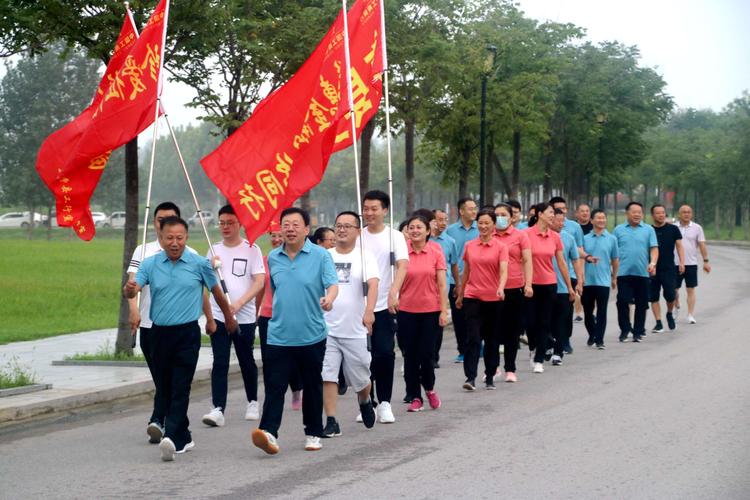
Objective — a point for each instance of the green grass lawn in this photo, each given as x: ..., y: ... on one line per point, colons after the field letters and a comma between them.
x: 64, y: 285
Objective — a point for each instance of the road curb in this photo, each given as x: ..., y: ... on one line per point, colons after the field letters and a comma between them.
x: 724, y: 243
x: 67, y: 400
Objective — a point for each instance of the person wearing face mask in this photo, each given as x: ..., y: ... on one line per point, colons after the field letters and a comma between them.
x: 517, y: 286
x: 480, y: 296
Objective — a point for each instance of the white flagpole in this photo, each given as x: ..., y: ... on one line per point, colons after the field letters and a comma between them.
x: 353, y: 121
x: 387, y: 134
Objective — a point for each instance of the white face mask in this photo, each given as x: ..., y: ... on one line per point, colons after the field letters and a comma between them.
x: 502, y: 223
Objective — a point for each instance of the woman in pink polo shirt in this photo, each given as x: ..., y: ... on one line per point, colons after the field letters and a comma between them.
x: 264, y: 304
x: 480, y: 297
x: 517, y: 286
x: 423, y: 309
x: 545, y: 246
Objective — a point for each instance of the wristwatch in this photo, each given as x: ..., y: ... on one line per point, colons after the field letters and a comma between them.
x: 705, y: 260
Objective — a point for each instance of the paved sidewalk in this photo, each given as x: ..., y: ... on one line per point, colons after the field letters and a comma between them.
x: 77, y: 386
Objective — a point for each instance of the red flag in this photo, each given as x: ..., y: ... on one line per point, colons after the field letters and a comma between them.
x: 55, y: 150
x: 125, y: 109
x: 282, y: 150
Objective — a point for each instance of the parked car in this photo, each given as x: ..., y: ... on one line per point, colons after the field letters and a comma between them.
x: 18, y: 219
x: 100, y: 219
x: 208, y: 218
x: 116, y: 220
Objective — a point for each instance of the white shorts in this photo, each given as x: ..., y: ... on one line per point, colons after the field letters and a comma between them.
x: 354, y: 356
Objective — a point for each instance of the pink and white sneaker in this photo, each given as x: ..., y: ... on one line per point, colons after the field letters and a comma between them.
x: 434, y: 400
x: 510, y: 377
x: 416, y: 405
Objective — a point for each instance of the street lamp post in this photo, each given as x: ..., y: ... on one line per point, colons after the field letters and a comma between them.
x: 489, y: 62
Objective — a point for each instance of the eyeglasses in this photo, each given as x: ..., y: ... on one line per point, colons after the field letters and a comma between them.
x: 227, y: 223
x: 345, y: 227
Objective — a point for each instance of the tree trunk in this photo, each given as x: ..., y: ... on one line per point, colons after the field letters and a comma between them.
x: 463, y: 176
x: 49, y: 222
x: 516, y: 173
x: 364, y: 162
x: 409, y: 130
x: 746, y: 223
x: 304, y: 202
x: 717, y: 221
x: 547, y: 169
x: 494, y: 160
x: 124, y: 343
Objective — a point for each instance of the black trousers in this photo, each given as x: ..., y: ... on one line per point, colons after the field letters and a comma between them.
x: 595, y: 297
x: 539, y: 319
x: 482, y: 323
x: 416, y: 336
x: 562, y: 322
x: 147, y: 347
x: 175, y: 350
x: 280, y: 362
x: 512, y: 326
x: 382, y: 348
x: 221, y: 344
x: 295, y: 379
x: 632, y: 289
x: 459, y: 323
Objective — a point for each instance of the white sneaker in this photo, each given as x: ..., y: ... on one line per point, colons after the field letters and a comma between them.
x: 252, y: 412
x: 691, y: 319
x: 167, y: 449
x: 556, y: 360
x: 312, y: 443
x: 675, y: 312
x: 385, y: 413
x: 359, y: 418
x: 155, y: 432
x: 214, y: 418
x: 187, y: 447
x: 538, y: 368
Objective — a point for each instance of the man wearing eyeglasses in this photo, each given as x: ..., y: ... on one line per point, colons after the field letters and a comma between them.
x: 243, y: 271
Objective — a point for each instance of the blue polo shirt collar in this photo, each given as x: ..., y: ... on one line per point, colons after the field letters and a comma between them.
x: 306, y: 247
x: 166, y: 256
x: 467, y: 229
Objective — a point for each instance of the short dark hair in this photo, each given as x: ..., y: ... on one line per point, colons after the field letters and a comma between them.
x: 426, y: 213
x: 296, y: 210
x: 557, y: 199
x: 421, y: 219
x: 462, y: 201
x: 513, y: 203
x: 353, y: 214
x: 227, y: 209
x: 436, y: 210
x: 506, y: 206
x: 320, y: 234
x: 381, y: 196
x: 490, y: 212
x: 596, y: 211
x: 584, y: 204
x: 627, y: 207
x: 657, y: 205
x: 167, y: 205
x: 402, y: 225
x: 558, y: 211
x: 174, y: 220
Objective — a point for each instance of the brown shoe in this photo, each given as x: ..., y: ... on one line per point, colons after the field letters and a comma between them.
x: 265, y: 441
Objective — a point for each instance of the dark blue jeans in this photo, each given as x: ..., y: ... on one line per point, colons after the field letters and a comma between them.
x: 175, y: 350
x: 221, y: 344
x: 632, y: 289
x: 147, y: 347
x: 295, y: 379
x: 595, y: 297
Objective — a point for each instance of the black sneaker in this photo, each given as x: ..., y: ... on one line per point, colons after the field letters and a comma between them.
x: 578, y: 319
x: 623, y: 337
x: 407, y: 400
x: 469, y: 385
x: 490, y: 385
x: 590, y: 342
x: 601, y: 347
x: 658, y: 328
x: 637, y: 338
x: 568, y: 349
x: 342, y: 388
x: 332, y: 428
x: 368, y: 413
x: 670, y: 321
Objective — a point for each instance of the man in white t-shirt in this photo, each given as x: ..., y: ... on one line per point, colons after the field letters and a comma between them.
x: 379, y: 240
x: 243, y: 271
x: 693, y: 242
x: 140, y: 315
x: 349, y: 323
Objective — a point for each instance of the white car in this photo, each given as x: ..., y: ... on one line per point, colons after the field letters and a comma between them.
x: 208, y: 218
x: 100, y: 218
x: 18, y: 219
x: 116, y: 220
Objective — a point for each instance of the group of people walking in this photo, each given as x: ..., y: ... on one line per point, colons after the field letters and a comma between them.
x: 332, y: 308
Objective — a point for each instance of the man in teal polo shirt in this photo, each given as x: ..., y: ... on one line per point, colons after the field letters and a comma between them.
x: 462, y: 231
x: 304, y: 283
x: 602, y: 264
x: 176, y: 279
x: 448, y: 244
x: 639, y: 250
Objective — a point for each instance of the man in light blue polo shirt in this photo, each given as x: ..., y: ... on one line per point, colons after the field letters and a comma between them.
x: 462, y: 231
x: 639, y: 250
x: 304, y: 283
x: 602, y: 263
x: 448, y: 244
x: 176, y: 279
x: 562, y: 310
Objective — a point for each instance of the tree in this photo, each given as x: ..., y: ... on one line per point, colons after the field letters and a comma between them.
x: 38, y: 95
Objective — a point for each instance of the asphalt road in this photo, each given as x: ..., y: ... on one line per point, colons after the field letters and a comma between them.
x: 667, y: 418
